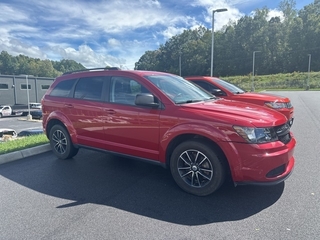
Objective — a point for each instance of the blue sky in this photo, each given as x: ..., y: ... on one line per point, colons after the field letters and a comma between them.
x: 112, y: 32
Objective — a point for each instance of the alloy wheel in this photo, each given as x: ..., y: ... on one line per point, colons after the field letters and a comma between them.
x: 60, y: 141
x: 195, y: 168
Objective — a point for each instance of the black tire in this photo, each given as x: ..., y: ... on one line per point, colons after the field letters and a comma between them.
x: 0, y: 115
x: 61, y: 144
x: 196, y: 168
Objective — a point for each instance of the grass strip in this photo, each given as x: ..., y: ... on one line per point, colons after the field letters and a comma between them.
x: 23, y: 143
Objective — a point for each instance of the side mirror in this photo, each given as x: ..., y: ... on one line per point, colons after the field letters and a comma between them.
x: 146, y: 99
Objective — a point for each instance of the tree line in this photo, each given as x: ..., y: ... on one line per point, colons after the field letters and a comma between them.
x: 281, y: 45
x: 16, y: 65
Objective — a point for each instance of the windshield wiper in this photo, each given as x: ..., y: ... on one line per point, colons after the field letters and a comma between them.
x: 190, y: 101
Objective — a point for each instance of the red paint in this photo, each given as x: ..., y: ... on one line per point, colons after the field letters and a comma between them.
x: 250, y: 97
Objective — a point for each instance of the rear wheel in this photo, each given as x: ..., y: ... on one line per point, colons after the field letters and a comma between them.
x: 196, y: 168
x: 60, y: 142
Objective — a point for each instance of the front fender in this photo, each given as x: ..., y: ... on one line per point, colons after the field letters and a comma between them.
x: 215, y: 134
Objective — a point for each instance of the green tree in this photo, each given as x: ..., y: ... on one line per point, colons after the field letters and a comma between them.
x: 8, y: 63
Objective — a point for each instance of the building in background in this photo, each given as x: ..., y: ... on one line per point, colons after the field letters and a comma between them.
x: 13, y: 89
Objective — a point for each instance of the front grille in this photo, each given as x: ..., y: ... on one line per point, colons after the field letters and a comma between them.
x: 283, y: 132
x: 276, y: 172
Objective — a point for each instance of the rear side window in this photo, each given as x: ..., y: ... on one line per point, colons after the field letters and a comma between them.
x: 62, y: 89
x: 89, y: 88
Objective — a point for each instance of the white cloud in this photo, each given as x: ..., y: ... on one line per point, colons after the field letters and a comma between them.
x: 151, y: 3
x: 104, y: 32
x: 172, y: 31
x: 275, y: 13
x: 87, y: 21
x: 8, y: 13
x: 114, y: 42
x: 112, y: 16
x: 86, y: 56
x: 15, y: 47
x: 220, y: 18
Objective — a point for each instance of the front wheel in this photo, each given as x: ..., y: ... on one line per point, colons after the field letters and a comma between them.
x: 60, y: 142
x: 196, y: 168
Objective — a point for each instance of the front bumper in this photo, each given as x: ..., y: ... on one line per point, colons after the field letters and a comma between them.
x: 261, y: 164
x: 286, y: 174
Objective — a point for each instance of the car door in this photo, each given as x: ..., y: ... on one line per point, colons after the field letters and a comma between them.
x: 130, y: 129
x: 85, y: 111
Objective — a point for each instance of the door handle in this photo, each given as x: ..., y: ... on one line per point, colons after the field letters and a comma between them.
x: 68, y: 105
x: 110, y: 111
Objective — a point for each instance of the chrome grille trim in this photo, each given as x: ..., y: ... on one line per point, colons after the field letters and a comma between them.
x: 283, y: 132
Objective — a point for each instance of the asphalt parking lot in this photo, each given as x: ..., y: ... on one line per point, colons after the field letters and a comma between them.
x: 99, y: 196
x: 19, y: 123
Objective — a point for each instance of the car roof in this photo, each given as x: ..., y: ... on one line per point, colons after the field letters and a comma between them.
x: 109, y: 71
x: 200, y: 77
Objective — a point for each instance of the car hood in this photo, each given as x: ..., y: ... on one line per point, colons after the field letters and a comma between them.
x: 263, y: 97
x: 238, y: 113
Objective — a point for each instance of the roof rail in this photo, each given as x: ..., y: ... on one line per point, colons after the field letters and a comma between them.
x: 92, y: 69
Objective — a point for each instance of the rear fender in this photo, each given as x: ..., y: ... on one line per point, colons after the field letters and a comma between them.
x: 56, y: 117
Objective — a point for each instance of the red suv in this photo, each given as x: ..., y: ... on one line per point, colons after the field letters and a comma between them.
x: 165, y: 119
x: 221, y: 88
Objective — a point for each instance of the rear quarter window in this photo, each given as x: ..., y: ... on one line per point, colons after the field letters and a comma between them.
x: 89, y: 88
x: 62, y: 89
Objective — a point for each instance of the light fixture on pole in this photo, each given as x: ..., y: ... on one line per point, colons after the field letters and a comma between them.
x: 253, y: 60
x: 212, y: 44
x: 308, y: 81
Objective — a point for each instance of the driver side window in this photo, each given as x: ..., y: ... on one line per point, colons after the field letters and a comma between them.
x: 124, y: 90
x: 210, y: 88
x: 205, y: 85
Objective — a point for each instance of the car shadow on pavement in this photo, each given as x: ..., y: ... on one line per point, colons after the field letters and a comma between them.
x: 136, y: 187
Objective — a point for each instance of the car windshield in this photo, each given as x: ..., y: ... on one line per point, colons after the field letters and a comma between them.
x: 178, y: 89
x: 229, y: 86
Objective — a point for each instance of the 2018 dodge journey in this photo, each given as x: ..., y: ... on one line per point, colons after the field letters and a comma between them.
x: 165, y: 119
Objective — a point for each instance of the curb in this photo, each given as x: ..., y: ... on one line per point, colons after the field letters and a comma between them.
x: 29, y: 120
x: 9, y: 157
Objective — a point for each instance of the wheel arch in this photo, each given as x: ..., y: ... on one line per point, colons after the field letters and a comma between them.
x: 57, y: 121
x: 51, y: 123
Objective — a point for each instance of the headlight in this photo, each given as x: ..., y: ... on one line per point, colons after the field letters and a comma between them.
x: 256, y: 135
x: 276, y: 105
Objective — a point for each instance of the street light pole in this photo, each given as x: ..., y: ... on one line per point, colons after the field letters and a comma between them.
x: 308, y: 82
x: 29, y: 117
x: 253, y: 60
x: 212, y: 44
x: 179, y: 62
